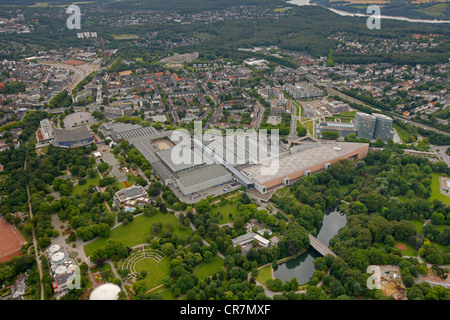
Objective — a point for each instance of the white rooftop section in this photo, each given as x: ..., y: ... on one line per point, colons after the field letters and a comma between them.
x: 107, y: 291
x: 58, y: 257
x: 202, y: 174
x: 262, y: 240
x: 60, y: 270
x: 301, y: 160
x: 54, y: 248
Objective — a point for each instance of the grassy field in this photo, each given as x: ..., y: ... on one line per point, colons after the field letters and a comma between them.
x: 435, y: 11
x: 280, y: 9
x: 410, y: 251
x: 348, y: 113
x: 78, y: 189
x: 156, y: 271
x: 435, y: 190
x: 343, y: 116
x: 124, y: 36
x: 264, y: 274
x: 309, y: 125
x: 404, y: 135
x: 225, y: 211
x: 418, y: 225
x: 122, y: 185
x: 441, y: 227
x: 208, y: 269
x: 137, y: 231
x: 166, y: 293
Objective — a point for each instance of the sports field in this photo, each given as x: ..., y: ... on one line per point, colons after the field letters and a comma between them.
x: 74, y: 62
x: 10, y: 241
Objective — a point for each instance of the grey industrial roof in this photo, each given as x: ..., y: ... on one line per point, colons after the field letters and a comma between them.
x: 64, y: 278
x: 109, y: 128
x: 244, y: 237
x: 167, y: 156
x: 202, y: 174
x: 146, y: 147
x: 133, y: 134
x: 301, y: 160
x: 130, y: 193
x: 72, y: 135
x: 243, y: 179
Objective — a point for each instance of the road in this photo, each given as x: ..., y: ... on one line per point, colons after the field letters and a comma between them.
x: 442, y: 152
x: 36, y: 249
x: 293, y: 132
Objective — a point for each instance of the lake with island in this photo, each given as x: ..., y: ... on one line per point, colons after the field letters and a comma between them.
x: 302, y: 267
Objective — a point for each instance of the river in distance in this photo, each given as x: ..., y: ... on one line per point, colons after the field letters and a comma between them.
x: 344, y: 13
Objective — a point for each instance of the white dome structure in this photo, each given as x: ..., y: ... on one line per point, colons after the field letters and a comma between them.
x: 107, y: 291
x: 60, y: 270
x: 54, y: 248
x: 58, y: 258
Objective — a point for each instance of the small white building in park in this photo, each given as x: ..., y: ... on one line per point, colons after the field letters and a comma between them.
x: 107, y: 291
x: 248, y: 238
x: 261, y: 240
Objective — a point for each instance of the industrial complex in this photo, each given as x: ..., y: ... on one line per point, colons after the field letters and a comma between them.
x: 240, y: 162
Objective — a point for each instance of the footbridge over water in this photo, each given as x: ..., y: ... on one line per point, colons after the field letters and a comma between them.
x: 319, y: 246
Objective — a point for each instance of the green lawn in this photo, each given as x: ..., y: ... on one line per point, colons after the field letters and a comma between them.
x: 281, y: 192
x: 441, y: 227
x: 78, y: 189
x: 410, y: 251
x: 137, y: 231
x: 343, y: 189
x: 264, y: 274
x: 418, y: 225
x: 166, y: 293
x: 348, y: 113
x: 435, y: 190
x: 122, y: 185
x: 405, y: 136
x: 225, y: 212
x: 435, y: 11
x: 441, y: 246
x: 309, y: 125
x: 156, y: 271
x: 208, y: 269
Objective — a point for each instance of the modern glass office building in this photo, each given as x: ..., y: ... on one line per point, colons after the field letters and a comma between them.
x: 383, y: 127
x: 365, y: 125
